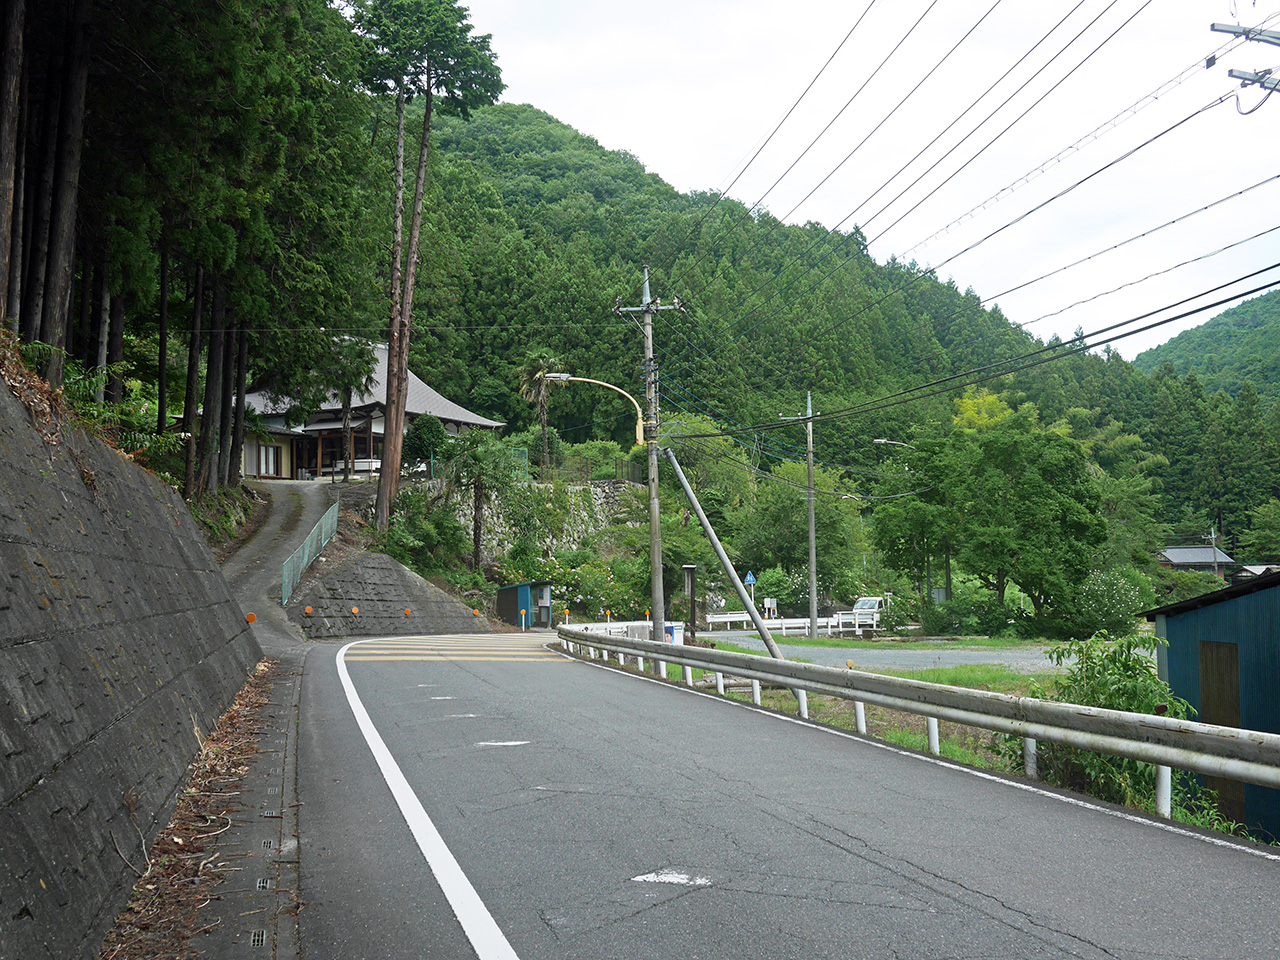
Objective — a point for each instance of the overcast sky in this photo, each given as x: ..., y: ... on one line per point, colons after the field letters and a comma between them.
x: 693, y: 88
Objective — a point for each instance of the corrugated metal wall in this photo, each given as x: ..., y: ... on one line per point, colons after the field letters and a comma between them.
x: 1252, y: 624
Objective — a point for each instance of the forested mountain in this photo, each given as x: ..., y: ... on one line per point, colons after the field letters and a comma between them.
x: 1238, y: 346
x: 541, y: 230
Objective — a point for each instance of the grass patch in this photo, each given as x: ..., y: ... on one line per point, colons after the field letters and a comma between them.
x: 995, y: 677
x: 951, y: 749
x: 965, y: 643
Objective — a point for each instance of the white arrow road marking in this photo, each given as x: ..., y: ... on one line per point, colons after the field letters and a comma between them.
x: 477, y: 922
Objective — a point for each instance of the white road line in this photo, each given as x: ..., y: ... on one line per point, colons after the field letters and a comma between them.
x: 481, y: 929
x: 502, y: 743
x: 674, y: 877
x: 1166, y: 826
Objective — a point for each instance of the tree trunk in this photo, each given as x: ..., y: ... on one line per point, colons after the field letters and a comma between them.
x: 10, y: 106
x: 162, y: 382
x: 386, y: 484
x: 207, y: 451
x: 40, y: 203
x: 66, y: 188
x: 193, y: 385
x: 230, y: 353
x: 477, y: 524
x: 398, y: 356
x: 63, y: 332
x: 115, y: 350
x: 102, y: 328
x: 12, y: 304
x: 346, y: 436
x: 237, y: 431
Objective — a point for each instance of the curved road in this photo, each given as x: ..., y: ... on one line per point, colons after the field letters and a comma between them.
x: 484, y: 797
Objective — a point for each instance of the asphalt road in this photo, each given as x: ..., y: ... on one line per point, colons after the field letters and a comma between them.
x: 480, y: 797
x: 898, y: 656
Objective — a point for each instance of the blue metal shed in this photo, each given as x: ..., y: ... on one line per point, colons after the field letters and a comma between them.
x: 533, y: 597
x: 1223, y: 657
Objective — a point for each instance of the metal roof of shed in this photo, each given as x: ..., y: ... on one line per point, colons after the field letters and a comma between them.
x: 1195, y: 555
x: 1242, y: 589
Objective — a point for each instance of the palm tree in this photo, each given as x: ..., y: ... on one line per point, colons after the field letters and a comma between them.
x: 534, y: 386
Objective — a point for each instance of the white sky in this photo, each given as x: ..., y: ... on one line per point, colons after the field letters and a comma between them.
x: 692, y: 88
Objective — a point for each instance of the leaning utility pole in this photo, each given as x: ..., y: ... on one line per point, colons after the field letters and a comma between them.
x: 646, y: 310
x: 813, y: 496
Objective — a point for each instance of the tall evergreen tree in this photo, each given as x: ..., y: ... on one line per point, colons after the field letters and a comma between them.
x: 421, y: 48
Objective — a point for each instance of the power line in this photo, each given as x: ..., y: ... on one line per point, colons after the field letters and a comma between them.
x: 720, y: 194
x: 978, y: 126
x: 1092, y: 137
x: 1066, y: 191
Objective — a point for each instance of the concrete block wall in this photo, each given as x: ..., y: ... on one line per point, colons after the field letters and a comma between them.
x: 120, y: 646
x: 379, y: 590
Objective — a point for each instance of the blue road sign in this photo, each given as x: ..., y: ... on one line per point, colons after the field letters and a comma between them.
x: 749, y: 579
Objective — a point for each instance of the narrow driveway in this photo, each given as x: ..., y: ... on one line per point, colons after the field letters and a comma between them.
x: 253, y: 571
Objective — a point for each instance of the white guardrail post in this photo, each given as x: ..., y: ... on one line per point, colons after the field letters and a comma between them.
x: 1249, y: 756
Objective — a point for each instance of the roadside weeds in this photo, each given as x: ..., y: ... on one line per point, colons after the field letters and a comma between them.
x: 183, y: 871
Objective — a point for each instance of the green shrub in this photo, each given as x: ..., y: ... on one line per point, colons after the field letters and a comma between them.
x: 1117, y: 674
x: 1107, y: 601
x: 424, y: 535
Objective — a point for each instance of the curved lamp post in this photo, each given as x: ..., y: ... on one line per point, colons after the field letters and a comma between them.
x: 562, y: 377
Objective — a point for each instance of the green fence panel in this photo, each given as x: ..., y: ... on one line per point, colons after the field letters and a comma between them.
x: 291, y: 570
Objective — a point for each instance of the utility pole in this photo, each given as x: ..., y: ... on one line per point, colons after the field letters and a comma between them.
x: 813, y: 496
x: 1213, y: 545
x: 646, y: 310
x: 1262, y: 78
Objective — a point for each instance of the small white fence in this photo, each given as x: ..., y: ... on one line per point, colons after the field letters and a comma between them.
x: 840, y: 622
x: 1249, y: 756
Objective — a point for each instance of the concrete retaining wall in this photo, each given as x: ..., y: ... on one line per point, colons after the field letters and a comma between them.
x: 379, y: 591
x: 120, y: 645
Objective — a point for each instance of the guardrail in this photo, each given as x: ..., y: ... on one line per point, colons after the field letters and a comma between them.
x: 1249, y: 756
x: 838, y: 622
x: 291, y: 570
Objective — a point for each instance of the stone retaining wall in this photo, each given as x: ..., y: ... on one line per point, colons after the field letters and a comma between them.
x: 120, y: 645
x: 370, y: 595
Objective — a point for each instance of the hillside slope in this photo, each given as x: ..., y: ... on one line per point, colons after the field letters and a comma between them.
x: 1238, y: 346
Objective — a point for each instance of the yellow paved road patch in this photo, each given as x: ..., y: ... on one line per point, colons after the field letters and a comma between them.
x: 514, y: 648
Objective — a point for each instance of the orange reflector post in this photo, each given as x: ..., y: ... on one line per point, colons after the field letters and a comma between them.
x: 407, y: 611
x: 355, y: 609
x: 249, y: 618
x: 306, y: 610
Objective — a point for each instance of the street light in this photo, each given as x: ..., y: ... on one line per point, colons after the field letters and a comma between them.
x: 896, y: 443
x: 563, y: 377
